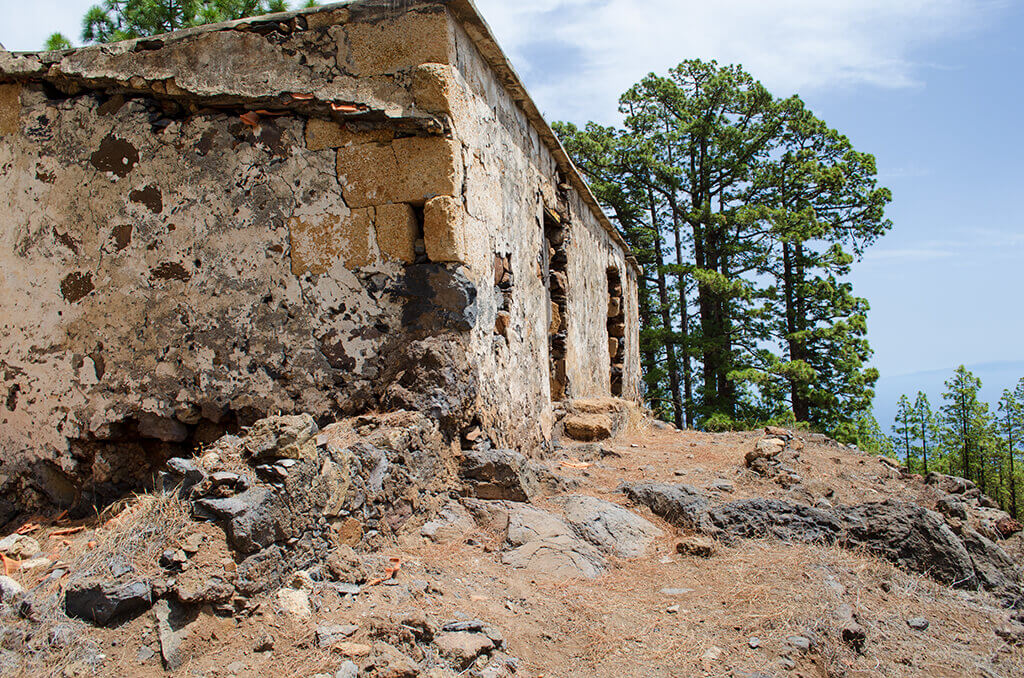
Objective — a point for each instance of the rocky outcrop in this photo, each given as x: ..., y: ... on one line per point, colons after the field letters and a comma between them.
x: 682, y: 505
x: 775, y: 518
x: 994, y: 569
x: 541, y: 542
x: 908, y: 535
x: 570, y: 546
x: 611, y: 528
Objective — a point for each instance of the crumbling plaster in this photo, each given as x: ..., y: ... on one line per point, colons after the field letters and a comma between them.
x: 294, y: 214
x: 504, y: 156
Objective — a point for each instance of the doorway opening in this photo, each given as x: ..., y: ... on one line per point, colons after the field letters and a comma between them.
x: 616, y: 330
x: 555, y: 266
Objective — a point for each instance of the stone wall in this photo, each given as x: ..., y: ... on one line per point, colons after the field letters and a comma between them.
x: 504, y: 155
x: 325, y: 212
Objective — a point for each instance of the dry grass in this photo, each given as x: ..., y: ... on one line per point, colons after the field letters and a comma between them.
x: 640, y: 421
x: 134, y: 535
x: 132, y: 532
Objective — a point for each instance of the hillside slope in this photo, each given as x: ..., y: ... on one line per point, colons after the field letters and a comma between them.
x: 759, y: 558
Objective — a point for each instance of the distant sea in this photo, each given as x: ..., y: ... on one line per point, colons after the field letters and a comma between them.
x: 994, y: 376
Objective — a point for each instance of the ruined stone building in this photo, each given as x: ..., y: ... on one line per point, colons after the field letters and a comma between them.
x: 338, y: 210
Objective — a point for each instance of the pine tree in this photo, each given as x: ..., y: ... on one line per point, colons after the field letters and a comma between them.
x: 924, y: 420
x: 869, y: 436
x: 709, y: 124
x: 57, y: 42
x: 963, y: 420
x: 125, y: 19
x: 724, y: 184
x: 818, y: 196
x: 904, y: 429
x: 1011, y: 422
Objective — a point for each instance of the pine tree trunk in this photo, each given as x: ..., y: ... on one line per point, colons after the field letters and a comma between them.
x: 684, y: 310
x: 684, y: 319
x: 963, y: 431
x: 666, y: 317
x: 906, y: 440
x: 924, y: 445
x: 705, y: 249
x: 797, y: 400
x: 1013, y: 486
x: 1013, y: 476
x: 801, y: 405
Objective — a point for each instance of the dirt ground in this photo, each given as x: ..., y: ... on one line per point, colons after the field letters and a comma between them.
x: 730, y: 614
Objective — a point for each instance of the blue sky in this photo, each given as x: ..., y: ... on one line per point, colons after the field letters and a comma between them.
x: 931, y: 87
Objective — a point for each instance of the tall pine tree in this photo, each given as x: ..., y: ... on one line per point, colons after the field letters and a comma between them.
x: 727, y: 184
x: 963, y: 422
x: 1011, y: 424
x: 904, y: 430
x: 819, y: 199
x: 924, y: 422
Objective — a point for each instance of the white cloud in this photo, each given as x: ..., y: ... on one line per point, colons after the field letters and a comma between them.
x: 577, y: 56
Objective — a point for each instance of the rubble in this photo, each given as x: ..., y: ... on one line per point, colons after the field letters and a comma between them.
x: 19, y: 547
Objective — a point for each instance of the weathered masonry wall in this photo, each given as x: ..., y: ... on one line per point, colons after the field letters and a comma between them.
x: 505, y: 156
x: 170, y: 268
x: 324, y: 212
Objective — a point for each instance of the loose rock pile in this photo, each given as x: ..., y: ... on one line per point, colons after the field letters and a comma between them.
x: 775, y: 454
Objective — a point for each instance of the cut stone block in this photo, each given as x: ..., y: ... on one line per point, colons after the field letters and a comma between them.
x: 429, y: 167
x: 444, y: 229
x: 410, y: 170
x: 434, y: 88
x: 399, y: 43
x: 10, y: 108
x: 318, y: 242
x: 397, y: 231
x: 321, y: 134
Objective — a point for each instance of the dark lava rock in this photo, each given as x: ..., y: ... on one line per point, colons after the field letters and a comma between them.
x: 498, y: 474
x: 911, y: 537
x: 682, y: 505
x: 775, y: 518
x: 181, y: 473
x: 105, y: 603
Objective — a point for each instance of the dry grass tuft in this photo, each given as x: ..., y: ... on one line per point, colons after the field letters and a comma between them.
x: 134, y: 535
x: 640, y: 420
x: 131, y: 532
